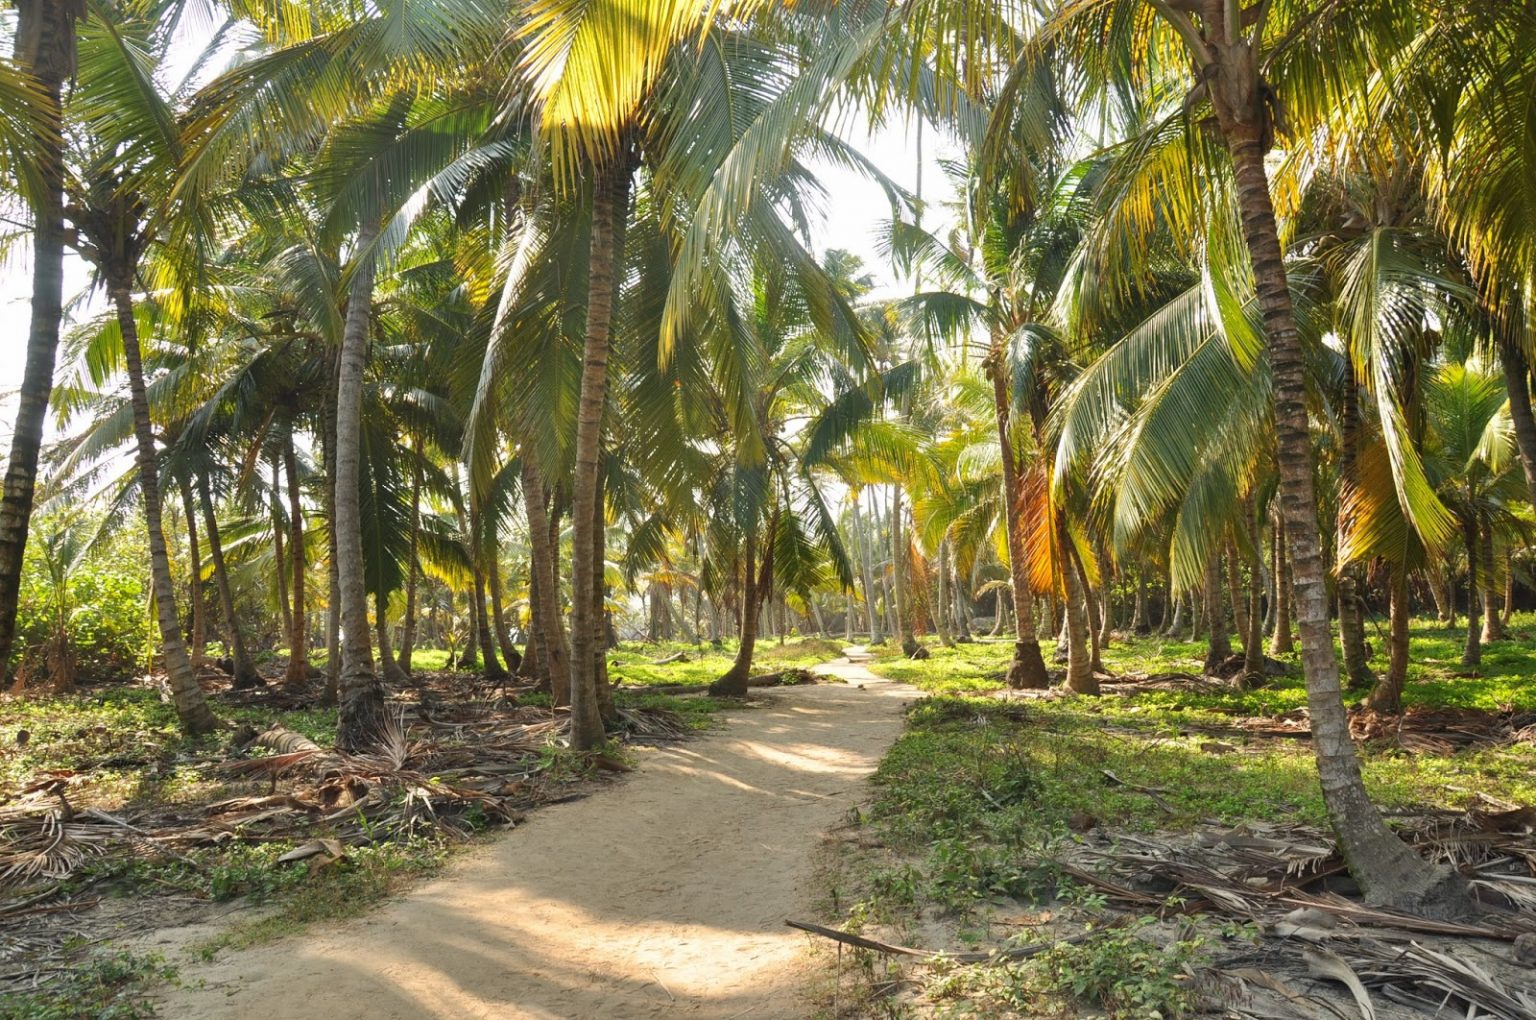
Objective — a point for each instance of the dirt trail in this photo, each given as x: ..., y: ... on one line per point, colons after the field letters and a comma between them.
x: 662, y: 896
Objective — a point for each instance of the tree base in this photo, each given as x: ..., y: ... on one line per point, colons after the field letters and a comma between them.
x: 732, y: 685
x: 1027, y: 670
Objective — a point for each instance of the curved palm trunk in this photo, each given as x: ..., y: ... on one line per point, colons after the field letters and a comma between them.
x: 1386, y: 868
x: 1026, y: 670
x: 1387, y: 695
x: 298, y: 636
x: 45, y: 48
x: 408, y: 624
x: 610, y: 204
x: 545, y: 594
x: 199, y: 629
x: 361, y: 696
x: 509, y: 653
x: 244, y: 672
x: 757, y: 583
x: 1080, y: 678
x: 191, y: 707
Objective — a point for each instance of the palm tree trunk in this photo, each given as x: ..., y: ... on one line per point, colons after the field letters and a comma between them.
x: 546, y: 593
x: 1080, y: 678
x: 333, y: 570
x: 1493, y: 623
x: 483, y: 630
x: 1387, y: 695
x: 509, y: 653
x: 361, y: 695
x: 601, y: 620
x: 610, y: 204
x: 1139, y: 622
x: 1385, y: 867
x: 1218, y: 647
x: 1281, y: 642
x: 408, y: 625
x: 1357, y: 666
x: 191, y: 707
x: 1026, y: 670
x: 940, y: 614
x: 1236, y: 597
x: 1517, y: 382
x: 298, y: 637
x: 757, y: 583
x: 1472, y: 653
x: 900, y: 553
x: 387, y: 661
x: 871, y: 600
x: 45, y: 49
x: 280, y: 550
x: 199, y: 638
x: 244, y: 671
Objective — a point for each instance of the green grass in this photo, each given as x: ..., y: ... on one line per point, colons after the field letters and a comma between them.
x: 632, y: 662
x: 974, y: 800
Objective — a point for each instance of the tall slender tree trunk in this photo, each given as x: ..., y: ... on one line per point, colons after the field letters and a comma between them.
x: 1237, y: 598
x: 871, y: 597
x: 900, y: 553
x: 1026, y: 670
x: 1443, y: 594
x: 45, y: 50
x: 191, y: 707
x: 1080, y: 678
x: 1387, y: 695
x: 333, y: 570
x: 509, y: 653
x: 484, y: 632
x: 1472, y: 653
x: 1386, y: 868
x: 610, y: 205
x: 1139, y: 621
x: 1281, y: 642
x: 1517, y: 382
x: 412, y: 573
x: 757, y: 584
x: 546, y: 593
x: 940, y: 614
x: 602, y: 621
x: 1493, y: 623
x: 361, y: 695
x: 1357, y: 665
x: 1218, y: 646
x: 280, y: 550
x: 244, y: 672
x: 387, y: 664
x: 199, y: 638
x: 298, y: 637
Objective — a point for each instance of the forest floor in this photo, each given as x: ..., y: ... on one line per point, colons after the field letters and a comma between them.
x: 1162, y: 850
x: 663, y: 896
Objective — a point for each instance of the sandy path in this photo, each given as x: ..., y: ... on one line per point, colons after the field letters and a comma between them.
x: 662, y: 896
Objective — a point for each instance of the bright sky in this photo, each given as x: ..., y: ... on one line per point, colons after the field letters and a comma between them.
x: 852, y: 210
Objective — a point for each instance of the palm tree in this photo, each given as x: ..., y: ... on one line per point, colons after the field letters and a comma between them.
x: 45, y: 52
x: 1244, y: 58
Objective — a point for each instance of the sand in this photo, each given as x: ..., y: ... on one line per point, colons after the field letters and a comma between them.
x: 664, y: 895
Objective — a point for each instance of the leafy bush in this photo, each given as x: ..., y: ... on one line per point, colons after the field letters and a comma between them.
x: 85, y: 579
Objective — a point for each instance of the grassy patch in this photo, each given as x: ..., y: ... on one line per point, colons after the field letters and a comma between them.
x: 974, y: 800
x: 637, y: 664
x: 107, y: 986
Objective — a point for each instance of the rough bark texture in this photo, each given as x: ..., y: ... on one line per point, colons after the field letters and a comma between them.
x: 1387, y: 695
x: 1517, y: 381
x: 191, y: 707
x: 408, y: 624
x: 45, y: 48
x: 1218, y: 646
x: 1472, y: 652
x: 198, y: 639
x: 546, y: 593
x: 245, y: 674
x: 361, y: 695
x: 755, y: 589
x: 1387, y: 869
x: 1026, y: 670
x: 610, y: 203
x: 298, y: 637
